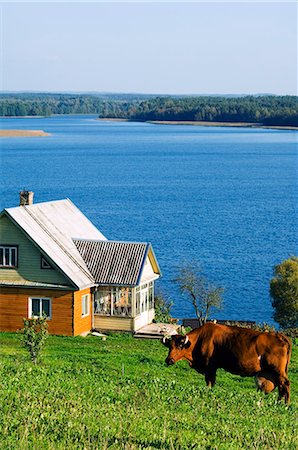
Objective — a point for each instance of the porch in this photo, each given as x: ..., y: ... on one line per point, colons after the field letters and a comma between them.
x: 123, y: 308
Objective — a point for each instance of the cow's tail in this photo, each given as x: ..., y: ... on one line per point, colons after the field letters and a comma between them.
x: 289, y: 348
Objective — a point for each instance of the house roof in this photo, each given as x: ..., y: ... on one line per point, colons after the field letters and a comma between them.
x: 116, y: 263
x: 32, y: 284
x: 53, y: 226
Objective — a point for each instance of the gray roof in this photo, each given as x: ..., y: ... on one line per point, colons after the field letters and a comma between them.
x: 32, y: 284
x: 52, y: 226
x: 114, y: 263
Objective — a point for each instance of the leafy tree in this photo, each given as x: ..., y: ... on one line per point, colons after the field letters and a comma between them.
x: 34, y: 335
x: 284, y: 293
x: 197, y: 290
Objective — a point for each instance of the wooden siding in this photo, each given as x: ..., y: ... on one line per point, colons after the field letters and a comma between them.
x: 29, y: 258
x: 148, y: 273
x: 113, y: 323
x: 153, y: 261
x: 14, y: 307
x: 143, y: 319
x: 81, y: 324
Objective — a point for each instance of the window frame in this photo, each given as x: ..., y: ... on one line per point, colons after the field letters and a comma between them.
x: 88, y: 305
x: 40, y: 306
x: 106, y: 298
x: 10, y: 246
x: 42, y: 261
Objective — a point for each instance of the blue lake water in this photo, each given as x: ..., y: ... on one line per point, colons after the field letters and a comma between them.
x: 224, y: 197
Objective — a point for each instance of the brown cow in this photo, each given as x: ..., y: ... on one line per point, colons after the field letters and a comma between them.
x: 240, y: 351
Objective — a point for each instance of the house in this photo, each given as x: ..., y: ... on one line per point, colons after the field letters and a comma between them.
x: 54, y: 261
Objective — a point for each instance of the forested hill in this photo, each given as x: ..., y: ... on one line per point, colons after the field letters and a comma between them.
x: 265, y: 110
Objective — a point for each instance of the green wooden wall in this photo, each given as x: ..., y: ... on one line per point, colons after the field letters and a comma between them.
x: 29, y: 258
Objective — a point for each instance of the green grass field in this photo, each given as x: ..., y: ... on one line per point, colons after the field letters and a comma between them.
x: 118, y: 394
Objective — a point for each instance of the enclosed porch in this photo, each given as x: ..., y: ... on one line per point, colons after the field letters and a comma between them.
x: 124, y: 275
x: 123, y: 308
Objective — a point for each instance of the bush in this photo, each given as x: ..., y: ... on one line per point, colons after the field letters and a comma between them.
x: 265, y: 327
x: 34, y: 335
x: 291, y: 332
x: 162, y: 305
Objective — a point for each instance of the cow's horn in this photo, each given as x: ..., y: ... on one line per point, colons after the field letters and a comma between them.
x: 165, y: 339
x: 186, y: 340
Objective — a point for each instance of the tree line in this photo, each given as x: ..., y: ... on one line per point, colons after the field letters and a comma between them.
x: 265, y: 109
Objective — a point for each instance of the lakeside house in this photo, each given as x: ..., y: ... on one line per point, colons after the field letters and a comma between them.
x: 54, y: 261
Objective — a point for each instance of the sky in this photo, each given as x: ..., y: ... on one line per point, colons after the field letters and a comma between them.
x: 149, y: 47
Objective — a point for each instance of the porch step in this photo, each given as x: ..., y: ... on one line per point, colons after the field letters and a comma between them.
x: 147, y: 336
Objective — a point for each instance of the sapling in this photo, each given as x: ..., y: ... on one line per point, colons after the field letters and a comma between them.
x: 34, y: 336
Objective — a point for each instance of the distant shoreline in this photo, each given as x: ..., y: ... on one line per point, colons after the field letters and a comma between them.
x: 221, y: 124
x: 204, y: 123
x: 23, y: 133
x: 158, y: 122
x: 108, y: 119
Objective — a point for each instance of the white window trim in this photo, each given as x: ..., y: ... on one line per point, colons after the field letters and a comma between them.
x: 10, y: 248
x: 40, y: 298
x: 88, y: 305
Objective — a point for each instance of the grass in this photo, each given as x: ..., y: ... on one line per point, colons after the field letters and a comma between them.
x: 118, y: 394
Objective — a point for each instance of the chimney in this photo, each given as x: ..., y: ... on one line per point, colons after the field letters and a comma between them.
x: 26, y: 198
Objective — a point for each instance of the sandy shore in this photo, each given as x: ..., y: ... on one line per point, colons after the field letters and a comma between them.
x: 23, y: 133
x: 221, y: 124
x: 113, y: 120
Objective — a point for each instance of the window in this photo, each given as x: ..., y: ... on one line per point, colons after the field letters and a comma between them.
x: 8, y: 256
x: 151, y: 295
x: 40, y: 306
x: 113, y: 302
x: 121, y: 302
x: 44, y: 264
x: 102, y: 302
x: 138, y: 303
x: 85, y: 305
x: 144, y: 297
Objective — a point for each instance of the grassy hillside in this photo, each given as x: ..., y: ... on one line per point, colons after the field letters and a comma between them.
x: 118, y: 394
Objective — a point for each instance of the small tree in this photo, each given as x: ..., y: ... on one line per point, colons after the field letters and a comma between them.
x: 34, y: 335
x: 198, y: 291
x: 284, y: 293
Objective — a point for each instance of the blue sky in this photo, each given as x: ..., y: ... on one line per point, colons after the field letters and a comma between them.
x: 153, y: 47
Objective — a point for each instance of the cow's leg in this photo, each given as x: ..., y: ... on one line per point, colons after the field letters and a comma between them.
x: 284, y: 389
x: 210, y: 378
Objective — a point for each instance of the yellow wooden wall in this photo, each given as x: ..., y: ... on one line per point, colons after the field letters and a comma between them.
x: 14, y: 308
x: 113, y: 323
x: 81, y: 324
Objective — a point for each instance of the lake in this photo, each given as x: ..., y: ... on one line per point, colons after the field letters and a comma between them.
x: 222, y: 197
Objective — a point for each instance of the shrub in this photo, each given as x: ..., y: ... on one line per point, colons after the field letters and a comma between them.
x: 291, y: 332
x: 265, y: 327
x: 162, y: 305
x: 34, y: 335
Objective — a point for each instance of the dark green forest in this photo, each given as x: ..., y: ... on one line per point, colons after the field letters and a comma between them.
x: 263, y: 109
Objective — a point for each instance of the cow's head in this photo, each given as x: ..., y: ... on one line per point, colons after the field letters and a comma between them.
x: 177, y: 345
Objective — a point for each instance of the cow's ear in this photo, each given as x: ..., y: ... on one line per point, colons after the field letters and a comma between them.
x: 166, y: 341
x: 185, y: 341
